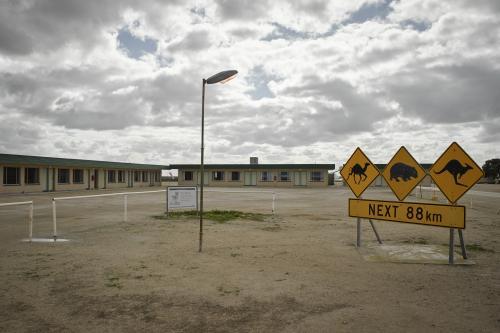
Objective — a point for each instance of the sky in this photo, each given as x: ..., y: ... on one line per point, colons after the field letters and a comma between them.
x: 122, y: 80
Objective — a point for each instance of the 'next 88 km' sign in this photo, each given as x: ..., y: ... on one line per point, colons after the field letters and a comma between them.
x: 454, y: 173
x: 409, y: 212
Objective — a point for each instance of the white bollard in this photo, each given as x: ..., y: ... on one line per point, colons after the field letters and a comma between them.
x: 30, y: 233
x: 54, y: 219
x: 274, y: 204
x: 125, y: 202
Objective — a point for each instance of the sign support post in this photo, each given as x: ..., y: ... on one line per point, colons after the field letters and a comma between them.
x: 375, y: 231
x: 452, y: 245
x: 358, y: 232
x: 462, y: 244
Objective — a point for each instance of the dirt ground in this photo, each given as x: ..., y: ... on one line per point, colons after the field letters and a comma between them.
x: 298, y: 271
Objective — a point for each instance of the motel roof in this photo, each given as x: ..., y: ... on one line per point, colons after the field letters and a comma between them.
x: 254, y: 166
x: 9, y: 159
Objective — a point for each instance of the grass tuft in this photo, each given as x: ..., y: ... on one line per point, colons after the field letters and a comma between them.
x: 220, y: 216
x: 478, y: 248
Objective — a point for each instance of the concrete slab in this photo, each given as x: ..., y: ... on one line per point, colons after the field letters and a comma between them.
x: 410, y: 254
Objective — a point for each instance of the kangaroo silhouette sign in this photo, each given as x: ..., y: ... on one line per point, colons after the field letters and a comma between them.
x: 359, y: 172
x: 403, y: 173
x: 455, y: 172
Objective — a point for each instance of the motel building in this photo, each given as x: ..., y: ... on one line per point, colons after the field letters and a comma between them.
x: 26, y: 174
x: 255, y: 174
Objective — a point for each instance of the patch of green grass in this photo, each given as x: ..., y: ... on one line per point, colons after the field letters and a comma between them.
x: 421, y: 241
x: 477, y: 247
x: 220, y: 216
x: 113, y: 282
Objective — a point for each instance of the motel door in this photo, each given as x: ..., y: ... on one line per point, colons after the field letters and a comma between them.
x: 50, y: 179
x: 96, y: 179
x: 250, y: 179
x: 300, y: 178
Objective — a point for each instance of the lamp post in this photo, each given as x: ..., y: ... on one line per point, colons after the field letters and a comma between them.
x: 221, y: 77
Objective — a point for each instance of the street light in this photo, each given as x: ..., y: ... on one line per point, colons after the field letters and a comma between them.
x: 221, y: 77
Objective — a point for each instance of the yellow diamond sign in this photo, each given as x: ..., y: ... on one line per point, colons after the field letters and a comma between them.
x: 455, y: 172
x: 359, y: 172
x: 403, y: 173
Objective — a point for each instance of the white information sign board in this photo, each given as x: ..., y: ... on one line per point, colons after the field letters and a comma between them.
x: 182, y: 197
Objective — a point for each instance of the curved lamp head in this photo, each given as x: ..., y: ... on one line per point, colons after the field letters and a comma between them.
x: 222, y: 77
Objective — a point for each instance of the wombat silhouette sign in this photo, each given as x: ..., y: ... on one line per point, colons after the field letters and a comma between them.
x: 454, y: 172
x: 403, y: 173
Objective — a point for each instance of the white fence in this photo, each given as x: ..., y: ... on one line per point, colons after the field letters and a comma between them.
x: 125, y: 196
x: 125, y: 204
x: 30, y: 214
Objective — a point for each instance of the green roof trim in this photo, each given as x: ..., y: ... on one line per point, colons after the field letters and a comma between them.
x: 9, y: 159
x: 255, y: 166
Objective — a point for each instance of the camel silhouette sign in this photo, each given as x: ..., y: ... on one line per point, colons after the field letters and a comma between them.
x: 359, y: 172
x: 403, y: 173
x: 454, y: 172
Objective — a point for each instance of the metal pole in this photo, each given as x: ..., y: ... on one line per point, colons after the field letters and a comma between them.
x: 125, y: 204
x: 358, y: 232
x: 31, y: 222
x: 54, y: 219
x: 166, y: 202
x: 274, y: 199
x: 375, y: 231
x: 452, y: 244
x: 202, y: 166
x: 462, y: 243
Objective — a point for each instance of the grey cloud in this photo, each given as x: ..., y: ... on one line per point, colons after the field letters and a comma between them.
x: 193, y: 41
x: 18, y: 133
x: 13, y: 41
x: 164, y: 100
x: 48, y: 24
x: 243, y: 33
x: 448, y: 94
x: 308, y: 122
x: 490, y: 131
x: 244, y: 10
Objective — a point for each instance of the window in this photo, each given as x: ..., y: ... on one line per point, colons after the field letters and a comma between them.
x: 316, y: 176
x: 235, y: 176
x: 77, y: 176
x: 144, y: 176
x: 188, y: 175
x: 31, y: 176
x: 11, y: 176
x: 63, y: 176
x: 137, y: 176
x: 111, y: 176
x: 266, y: 176
x: 284, y: 176
x: 157, y: 177
x: 121, y: 176
x: 218, y: 175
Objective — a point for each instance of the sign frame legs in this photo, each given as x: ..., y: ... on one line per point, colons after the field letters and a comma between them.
x: 358, y: 232
x: 462, y: 243
x: 375, y: 231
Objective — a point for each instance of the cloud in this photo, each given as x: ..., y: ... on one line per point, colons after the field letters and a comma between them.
x: 316, y: 78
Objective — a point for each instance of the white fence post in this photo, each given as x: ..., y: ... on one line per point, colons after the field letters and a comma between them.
x: 125, y: 207
x: 54, y: 219
x: 274, y: 204
x: 30, y: 233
